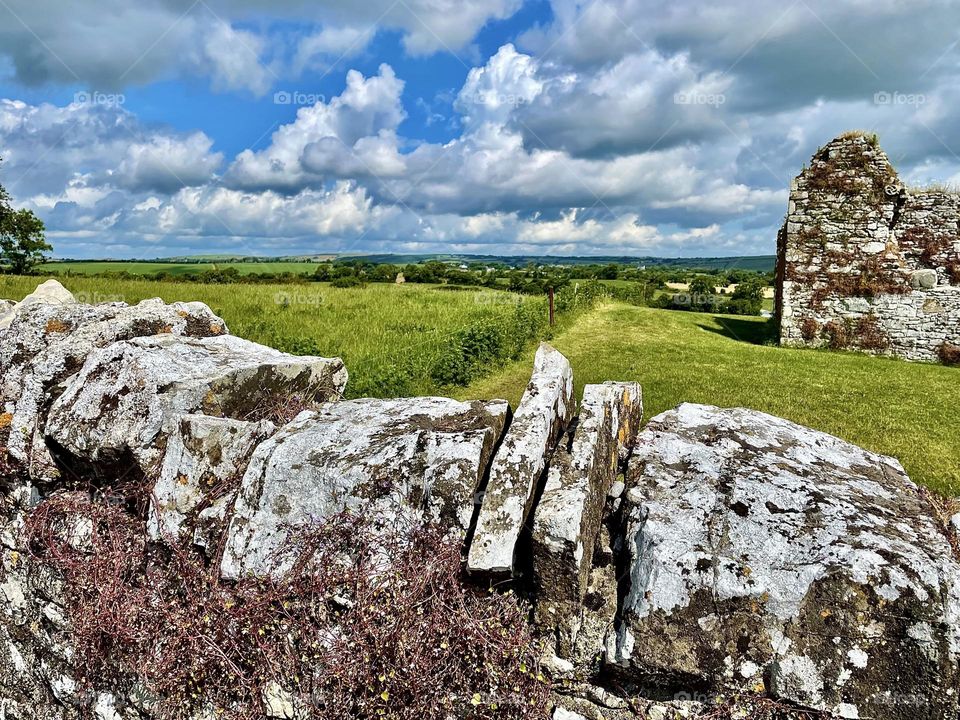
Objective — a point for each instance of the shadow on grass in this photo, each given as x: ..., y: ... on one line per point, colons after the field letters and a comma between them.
x: 748, y: 331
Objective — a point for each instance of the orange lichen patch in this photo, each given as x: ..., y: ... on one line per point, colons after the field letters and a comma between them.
x: 5, y: 420
x: 216, y: 329
x: 56, y: 326
x: 166, y: 329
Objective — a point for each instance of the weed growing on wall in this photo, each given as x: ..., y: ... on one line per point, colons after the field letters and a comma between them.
x: 371, y: 622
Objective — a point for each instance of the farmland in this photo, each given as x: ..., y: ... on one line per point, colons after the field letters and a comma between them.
x: 408, y: 339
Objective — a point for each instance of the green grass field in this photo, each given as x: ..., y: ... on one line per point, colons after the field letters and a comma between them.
x: 907, y: 410
x: 194, y: 268
x: 391, y: 337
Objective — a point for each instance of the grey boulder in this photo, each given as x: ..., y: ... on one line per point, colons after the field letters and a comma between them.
x: 202, y: 466
x: 48, y: 343
x: 118, y: 411
x: 768, y: 556
x: 397, y: 461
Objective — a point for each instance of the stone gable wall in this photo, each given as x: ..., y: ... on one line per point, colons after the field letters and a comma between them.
x: 866, y: 263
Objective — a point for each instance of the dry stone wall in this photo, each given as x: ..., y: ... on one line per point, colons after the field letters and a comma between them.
x: 865, y: 262
x: 715, y: 563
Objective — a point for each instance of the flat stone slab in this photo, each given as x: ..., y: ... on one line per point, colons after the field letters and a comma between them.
x: 772, y: 557
x: 396, y: 461
x: 544, y: 412
x: 567, y: 519
x: 118, y: 411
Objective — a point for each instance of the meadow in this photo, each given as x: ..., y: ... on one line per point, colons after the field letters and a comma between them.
x: 395, y: 339
x: 134, y: 267
x: 476, y: 343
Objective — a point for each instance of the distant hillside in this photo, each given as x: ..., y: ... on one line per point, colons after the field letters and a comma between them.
x: 764, y: 263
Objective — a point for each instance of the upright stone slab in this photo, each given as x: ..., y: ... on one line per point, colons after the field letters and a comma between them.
x: 567, y: 519
x: 116, y: 414
x: 543, y: 414
x: 770, y: 557
x: 398, y: 461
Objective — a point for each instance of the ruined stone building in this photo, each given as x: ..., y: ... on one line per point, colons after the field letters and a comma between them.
x: 866, y: 263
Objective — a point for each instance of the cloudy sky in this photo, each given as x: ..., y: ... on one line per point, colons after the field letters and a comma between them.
x: 150, y: 128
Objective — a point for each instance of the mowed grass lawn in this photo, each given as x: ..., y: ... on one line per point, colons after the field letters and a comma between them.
x: 908, y: 410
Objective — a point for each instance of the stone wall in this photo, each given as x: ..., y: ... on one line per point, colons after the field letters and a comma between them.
x: 714, y: 563
x: 866, y: 263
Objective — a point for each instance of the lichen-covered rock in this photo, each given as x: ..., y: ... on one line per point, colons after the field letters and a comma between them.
x: 50, y: 292
x: 402, y: 460
x: 203, y: 463
x: 544, y: 412
x: 770, y: 556
x: 567, y: 519
x: 116, y: 414
x: 48, y: 343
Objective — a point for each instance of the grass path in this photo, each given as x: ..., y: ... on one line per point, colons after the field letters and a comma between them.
x: 908, y: 410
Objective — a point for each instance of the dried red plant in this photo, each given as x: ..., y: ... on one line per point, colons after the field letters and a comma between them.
x: 371, y: 622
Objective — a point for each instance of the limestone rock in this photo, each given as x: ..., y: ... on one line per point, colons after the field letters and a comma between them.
x: 395, y: 460
x: 762, y: 553
x: 50, y: 292
x: 923, y: 279
x: 49, y: 343
x: 568, y: 517
x: 204, y: 461
x: 116, y: 413
x: 543, y: 414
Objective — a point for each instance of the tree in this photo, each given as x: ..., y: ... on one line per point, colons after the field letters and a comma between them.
x: 22, y: 239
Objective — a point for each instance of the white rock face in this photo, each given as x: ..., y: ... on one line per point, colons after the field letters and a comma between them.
x: 567, y: 519
x: 757, y: 543
x: 118, y: 411
x: 543, y: 414
x: 204, y: 459
x: 48, y: 343
x: 50, y: 292
x: 397, y: 460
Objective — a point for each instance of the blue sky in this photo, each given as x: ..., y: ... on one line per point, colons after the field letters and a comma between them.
x: 555, y: 127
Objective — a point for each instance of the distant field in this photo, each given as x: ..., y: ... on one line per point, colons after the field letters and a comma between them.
x: 907, y: 410
x: 151, y: 268
x: 390, y: 336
